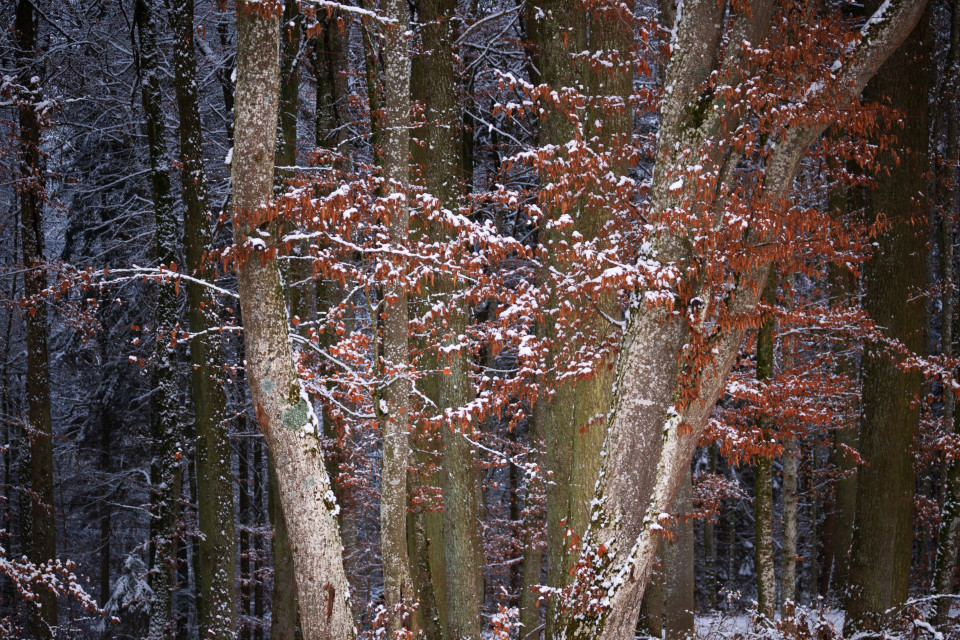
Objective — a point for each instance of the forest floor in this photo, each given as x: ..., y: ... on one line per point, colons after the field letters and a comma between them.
x: 822, y: 624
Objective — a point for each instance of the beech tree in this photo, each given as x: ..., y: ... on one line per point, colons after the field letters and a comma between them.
x: 648, y: 443
x: 507, y: 320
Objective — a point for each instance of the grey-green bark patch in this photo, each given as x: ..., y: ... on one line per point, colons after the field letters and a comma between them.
x: 296, y: 416
x: 267, y: 386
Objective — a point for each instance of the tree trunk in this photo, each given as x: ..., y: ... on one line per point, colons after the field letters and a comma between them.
x: 393, y: 399
x: 167, y: 469
x: 283, y: 610
x: 650, y: 621
x: 283, y: 411
x: 763, y: 542
x: 458, y: 573
x: 215, y: 508
x: 243, y: 516
x: 43, y: 540
x: 678, y: 597
x: 298, y: 277
x: 532, y: 571
x: 883, y: 536
x: 948, y: 546
x: 763, y: 474
x: 710, y: 542
x: 648, y: 445
x: 567, y: 419
x: 788, y: 571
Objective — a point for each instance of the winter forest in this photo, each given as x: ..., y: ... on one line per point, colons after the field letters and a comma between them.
x: 463, y: 319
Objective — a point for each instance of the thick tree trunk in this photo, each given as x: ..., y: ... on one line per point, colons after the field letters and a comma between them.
x: 43, y: 540
x: 646, y: 451
x: 557, y: 29
x: 167, y: 469
x: 298, y: 277
x: 883, y: 536
x: 215, y: 510
x: 283, y: 610
x: 567, y: 420
x: 948, y: 546
x: 456, y: 574
x: 283, y: 410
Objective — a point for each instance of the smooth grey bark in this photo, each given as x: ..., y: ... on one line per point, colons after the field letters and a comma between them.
x: 283, y: 410
x: 645, y: 452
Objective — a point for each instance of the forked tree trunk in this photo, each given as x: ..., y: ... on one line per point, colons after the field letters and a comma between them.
x: 215, y: 510
x: 646, y: 452
x: 283, y: 411
x: 43, y: 540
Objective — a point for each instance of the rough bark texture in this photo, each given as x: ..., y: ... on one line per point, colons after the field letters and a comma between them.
x: 571, y: 420
x: 393, y: 405
x: 214, y: 484
x: 283, y: 410
x: 949, y: 543
x: 297, y: 275
x: 788, y: 571
x: 710, y: 544
x: 646, y: 455
x: 167, y: 470
x: 454, y: 556
x: 678, y: 588
x: 883, y: 536
x: 763, y: 473
x: 556, y: 29
x: 43, y: 540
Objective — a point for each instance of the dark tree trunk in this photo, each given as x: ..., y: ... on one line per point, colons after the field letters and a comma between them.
x: 214, y: 484
x: 43, y: 539
x: 883, y: 535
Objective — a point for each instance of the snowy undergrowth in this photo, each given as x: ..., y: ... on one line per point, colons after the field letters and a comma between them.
x: 909, y: 622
